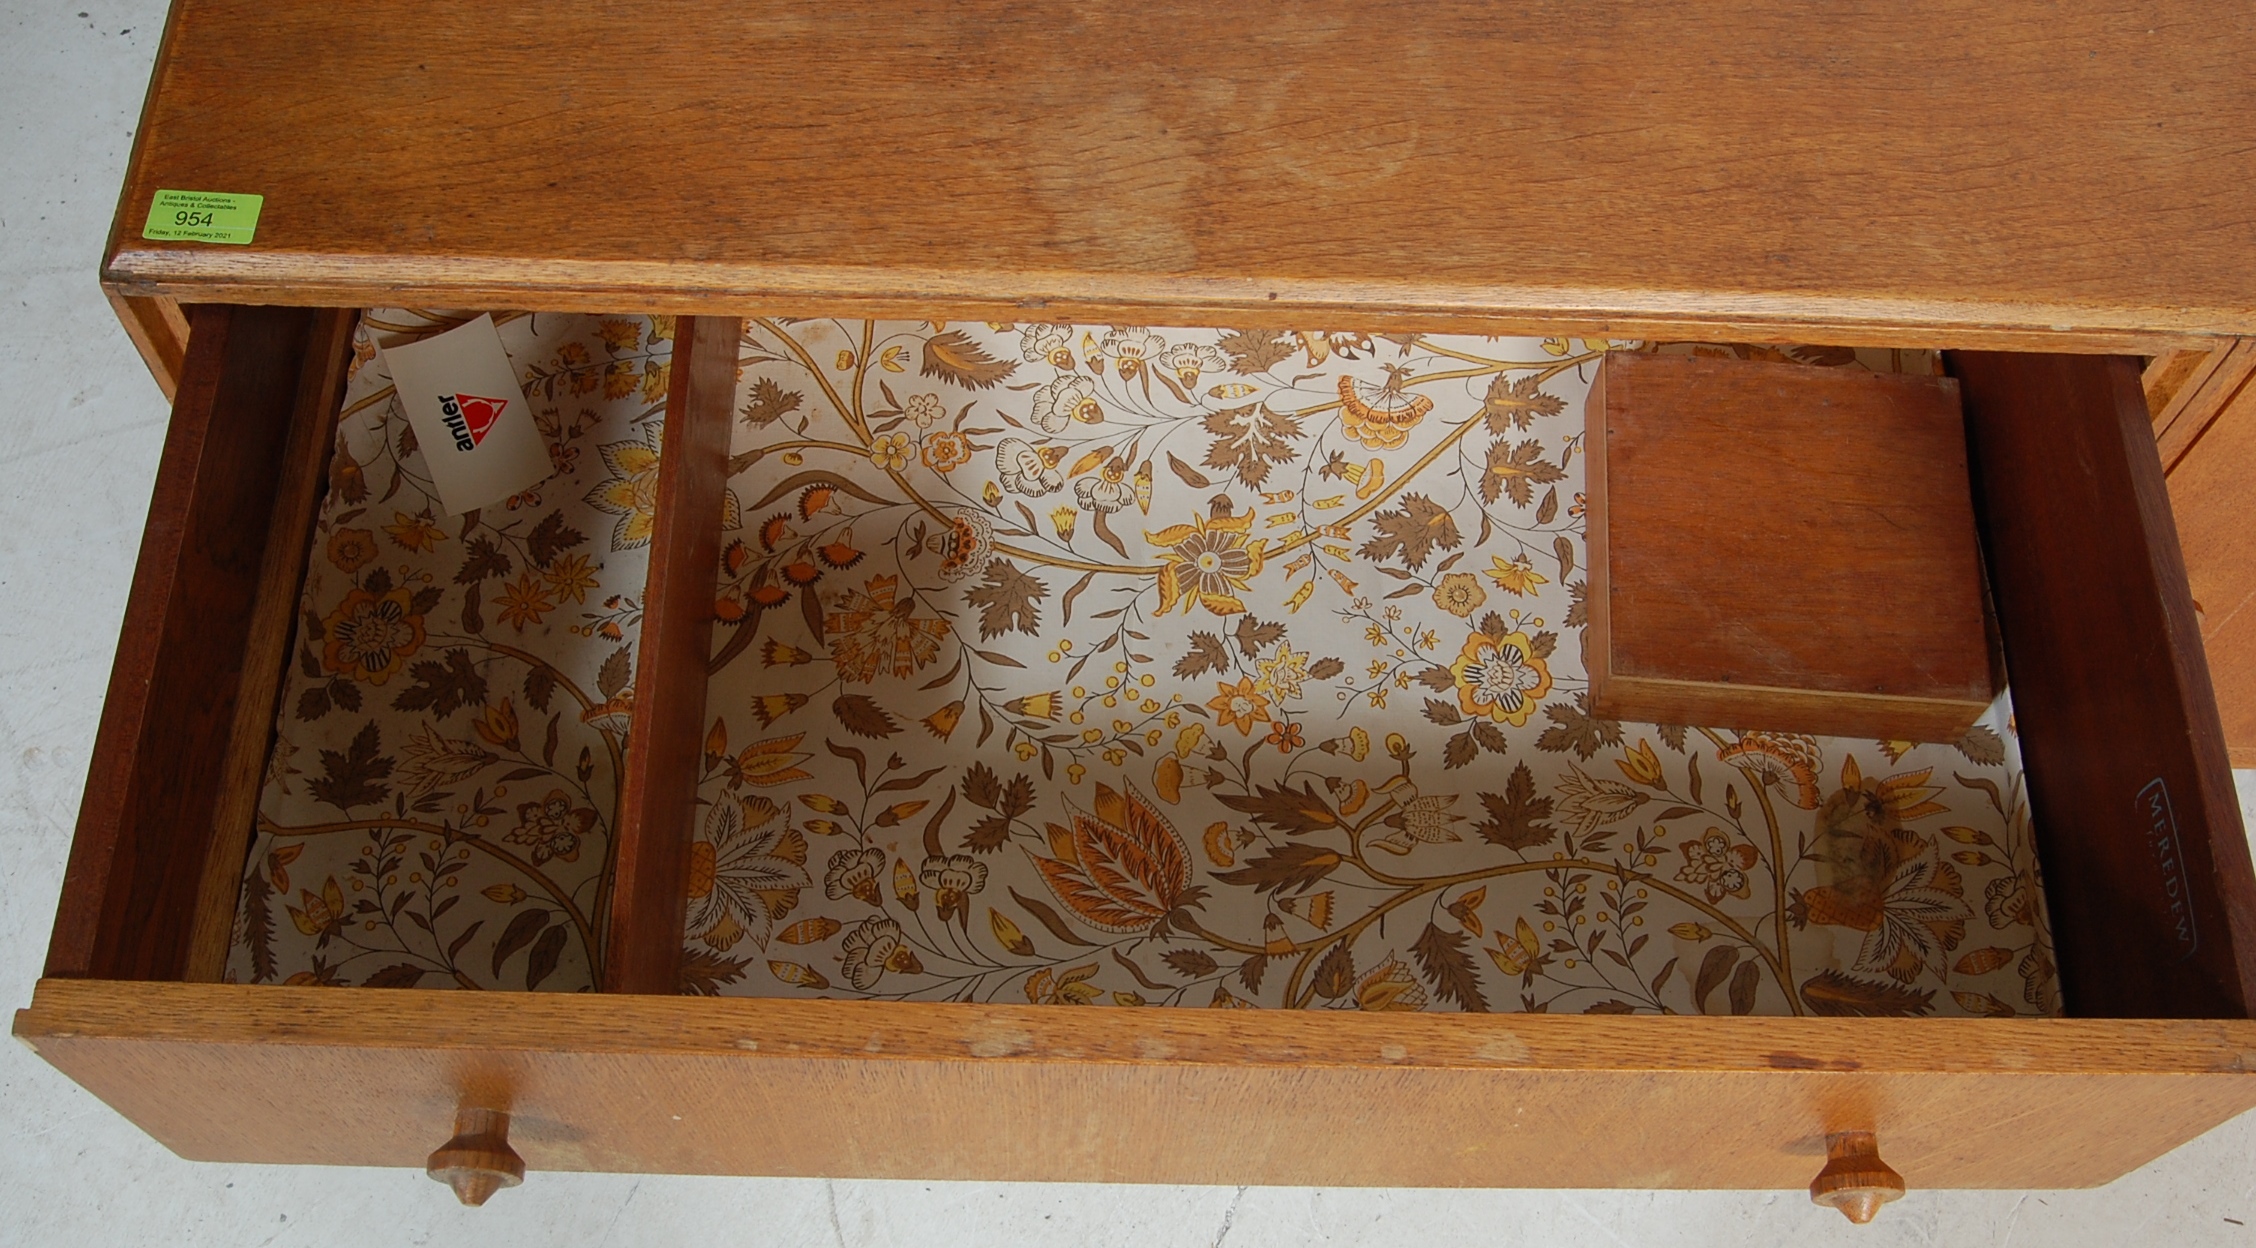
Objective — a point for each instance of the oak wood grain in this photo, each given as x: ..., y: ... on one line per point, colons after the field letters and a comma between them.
x: 658, y: 801
x: 1947, y: 172
x: 2213, y: 496
x: 137, y: 861
x: 157, y: 325
x: 960, y: 1091
x: 159, y: 331
x: 266, y: 648
x: 2167, y: 373
x: 1782, y: 547
x: 2217, y: 383
x: 2146, y: 866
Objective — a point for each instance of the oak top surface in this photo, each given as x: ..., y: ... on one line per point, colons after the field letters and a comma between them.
x: 1942, y: 172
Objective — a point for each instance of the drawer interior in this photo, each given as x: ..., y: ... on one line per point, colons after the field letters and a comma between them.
x: 1017, y: 740
x: 442, y: 795
x: 958, y: 748
x: 1082, y: 664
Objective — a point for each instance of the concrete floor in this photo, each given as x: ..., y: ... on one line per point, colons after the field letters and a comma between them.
x: 79, y: 438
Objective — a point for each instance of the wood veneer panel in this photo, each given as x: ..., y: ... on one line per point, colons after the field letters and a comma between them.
x: 643, y: 938
x: 2146, y: 866
x: 145, y: 824
x: 266, y: 650
x: 1782, y: 547
x: 2213, y: 495
x: 2218, y: 383
x: 159, y: 330
x: 2167, y: 375
x: 157, y: 325
x: 956, y: 1091
x: 2063, y: 176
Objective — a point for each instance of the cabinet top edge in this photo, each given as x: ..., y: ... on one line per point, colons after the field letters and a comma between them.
x: 2064, y: 175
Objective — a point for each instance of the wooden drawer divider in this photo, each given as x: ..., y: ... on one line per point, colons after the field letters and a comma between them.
x: 641, y: 911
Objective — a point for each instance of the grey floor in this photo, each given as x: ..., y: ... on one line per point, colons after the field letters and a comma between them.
x: 80, y: 428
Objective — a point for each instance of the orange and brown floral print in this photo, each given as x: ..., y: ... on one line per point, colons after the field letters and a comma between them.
x: 1082, y: 664
x: 445, y: 772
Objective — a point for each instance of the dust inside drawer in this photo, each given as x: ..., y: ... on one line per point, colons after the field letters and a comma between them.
x: 1091, y: 664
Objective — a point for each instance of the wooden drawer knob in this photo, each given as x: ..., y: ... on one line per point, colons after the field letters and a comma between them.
x: 1855, y: 1180
x: 478, y: 1161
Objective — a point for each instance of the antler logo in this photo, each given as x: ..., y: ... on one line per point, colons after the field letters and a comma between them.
x: 469, y: 417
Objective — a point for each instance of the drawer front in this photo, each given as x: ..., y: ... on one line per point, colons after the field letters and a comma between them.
x: 887, y: 1090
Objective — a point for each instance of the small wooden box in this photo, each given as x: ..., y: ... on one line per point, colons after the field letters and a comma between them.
x: 1783, y: 547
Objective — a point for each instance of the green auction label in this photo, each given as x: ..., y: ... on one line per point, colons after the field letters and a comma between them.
x: 203, y: 216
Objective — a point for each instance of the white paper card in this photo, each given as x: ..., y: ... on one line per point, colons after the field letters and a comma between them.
x: 469, y: 414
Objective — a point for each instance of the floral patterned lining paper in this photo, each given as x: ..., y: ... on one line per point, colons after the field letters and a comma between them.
x: 1092, y: 664
x: 449, y: 742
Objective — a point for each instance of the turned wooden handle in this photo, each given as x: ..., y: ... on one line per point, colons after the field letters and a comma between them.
x: 478, y: 1161
x: 1855, y: 1180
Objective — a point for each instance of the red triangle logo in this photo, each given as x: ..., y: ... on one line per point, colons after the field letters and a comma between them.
x: 479, y: 414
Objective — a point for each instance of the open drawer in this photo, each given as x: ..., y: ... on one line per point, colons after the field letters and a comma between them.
x: 2146, y: 873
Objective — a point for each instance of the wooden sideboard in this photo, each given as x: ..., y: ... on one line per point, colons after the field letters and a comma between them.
x: 2042, y: 191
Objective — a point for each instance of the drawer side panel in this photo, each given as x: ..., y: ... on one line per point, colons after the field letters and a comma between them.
x: 2146, y: 865
x: 130, y: 890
